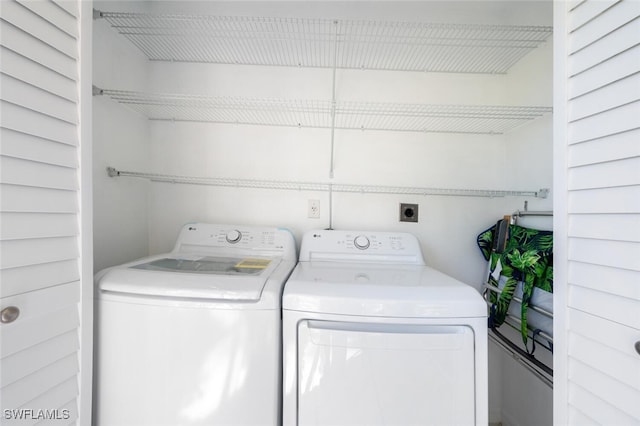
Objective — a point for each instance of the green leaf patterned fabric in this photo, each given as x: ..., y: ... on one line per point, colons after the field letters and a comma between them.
x: 527, y: 258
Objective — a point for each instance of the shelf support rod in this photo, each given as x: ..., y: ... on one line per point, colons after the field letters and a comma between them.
x: 333, y: 98
x: 330, y: 207
x: 322, y: 186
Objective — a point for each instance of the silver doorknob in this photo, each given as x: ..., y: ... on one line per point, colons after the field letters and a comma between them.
x: 637, y: 345
x: 9, y: 314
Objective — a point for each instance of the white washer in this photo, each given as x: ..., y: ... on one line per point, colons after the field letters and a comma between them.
x: 372, y: 336
x: 193, y: 337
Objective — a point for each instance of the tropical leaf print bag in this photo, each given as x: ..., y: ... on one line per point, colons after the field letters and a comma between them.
x: 524, y: 255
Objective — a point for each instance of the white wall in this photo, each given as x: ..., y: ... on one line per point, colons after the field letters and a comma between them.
x: 120, y: 139
x: 530, y: 148
x: 448, y: 225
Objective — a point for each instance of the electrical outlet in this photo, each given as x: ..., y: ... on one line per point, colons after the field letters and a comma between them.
x: 408, y: 212
x: 313, y: 210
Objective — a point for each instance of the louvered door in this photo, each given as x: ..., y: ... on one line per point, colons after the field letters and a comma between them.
x: 597, y: 203
x: 44, y: 255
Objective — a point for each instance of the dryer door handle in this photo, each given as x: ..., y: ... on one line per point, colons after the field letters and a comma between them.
x: 387, y: 328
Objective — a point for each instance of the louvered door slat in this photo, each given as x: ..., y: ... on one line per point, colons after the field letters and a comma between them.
x: 621, y: 282
x: 17, y: 226
x: 22, y: 120
x: 605, y: 123
x: 31, y: 72
x: 601, y: 50
x: 71, y: 7
x: 33, y: 358
x: 37, y: 277
x: 16, y: 198
x: 609, y: 20
x: 610, y: 96
x: 22, y: 16
x: 617, y: 227
x: 612, y: 392
x: 18, y: 253
x: 35, y: 99
x: 20, y: 393
x: 615, y: 147
x: 54, y: 14
x: 15, y: 39
x: 16, y: 171
x: 618, y: 254
x: 29, y: 147
x: 586, y: 11
x: 615, y: 68
x: 605, y: 200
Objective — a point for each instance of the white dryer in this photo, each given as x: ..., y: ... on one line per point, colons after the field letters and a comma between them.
x: 193, y: 337
x: 372, y: 336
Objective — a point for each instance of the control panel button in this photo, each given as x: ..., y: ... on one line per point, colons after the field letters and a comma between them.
x: 234, y: 236
x: 361, y: 242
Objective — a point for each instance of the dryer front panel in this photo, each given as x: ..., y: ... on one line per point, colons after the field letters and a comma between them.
x: 385, y: 374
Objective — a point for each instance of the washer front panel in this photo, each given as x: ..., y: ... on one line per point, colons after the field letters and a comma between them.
x: 180, y: 365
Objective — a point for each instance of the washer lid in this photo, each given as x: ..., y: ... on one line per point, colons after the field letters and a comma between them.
x: 192, y: 276
x: 402, y: 291
x: 207, y: 265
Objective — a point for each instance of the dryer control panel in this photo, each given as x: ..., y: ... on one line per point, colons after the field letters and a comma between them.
x: 210, y: 238
x: 361, y: 246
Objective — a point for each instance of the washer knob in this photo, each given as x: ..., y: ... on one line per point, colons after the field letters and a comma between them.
x: 234, y: 236
x: 361, y: 242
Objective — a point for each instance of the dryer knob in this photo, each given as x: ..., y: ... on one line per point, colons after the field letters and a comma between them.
x: 361, y: 242
x: 234, y: 236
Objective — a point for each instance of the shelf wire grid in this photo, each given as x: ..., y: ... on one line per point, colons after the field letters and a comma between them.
x: 481, y: 119
x: 476, y: 119
x: 324, y: 43
x: 235, y: 110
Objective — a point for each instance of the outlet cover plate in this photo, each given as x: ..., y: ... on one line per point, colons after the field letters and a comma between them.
x: 313, y: 209
x: 408, y: 212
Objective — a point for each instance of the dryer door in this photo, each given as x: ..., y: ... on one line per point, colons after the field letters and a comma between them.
x: 385, y: 374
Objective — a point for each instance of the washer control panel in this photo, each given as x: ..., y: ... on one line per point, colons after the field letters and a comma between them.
x: 204, y: 237
x: 333, y: 245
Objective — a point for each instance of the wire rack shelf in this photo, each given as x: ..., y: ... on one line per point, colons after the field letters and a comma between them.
x: 325, y: 43
x: 480, y: 119
x: 324, y: 187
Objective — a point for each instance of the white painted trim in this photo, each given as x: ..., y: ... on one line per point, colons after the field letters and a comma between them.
x: 560, y: 206
x: 86, y: 213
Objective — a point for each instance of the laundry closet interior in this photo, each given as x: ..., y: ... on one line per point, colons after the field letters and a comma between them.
x: 251, y: 112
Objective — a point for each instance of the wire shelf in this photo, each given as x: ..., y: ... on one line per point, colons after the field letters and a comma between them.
x: 323, y: 43
x: 259, y: 111
x: 477, y: 119
x: 318, y: 113
x: 324, y: 187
